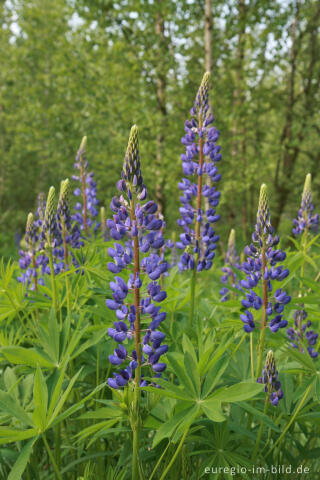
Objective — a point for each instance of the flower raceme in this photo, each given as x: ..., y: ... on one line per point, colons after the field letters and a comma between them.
x: 231, y: 262
x: 261, y: 268
x: 301, y: 332
x: 135, y: 301
x: 199, y: 162
x: 86, y: 209
x: 307, y: 219
x: 270, y: 378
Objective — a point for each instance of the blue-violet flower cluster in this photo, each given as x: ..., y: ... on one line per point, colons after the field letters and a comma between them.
x: 136, y: 301
x: 301, y: 332
x: 261, y: 267
x: 307, y: 219
x: 231, y: 262
x: 199, y: 163
x: 270, y: 378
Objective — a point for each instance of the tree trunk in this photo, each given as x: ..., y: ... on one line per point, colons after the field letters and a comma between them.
x: 162, y: 110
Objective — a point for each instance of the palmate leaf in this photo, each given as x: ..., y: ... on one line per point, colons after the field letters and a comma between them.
x: 181, y: 373
x: 168, y: 428
x: 9, y: 405
x: 238, y: 392
x: 27, y: 356
x: 303, y: 359
x: 12, y: 435
x: 212, y: 409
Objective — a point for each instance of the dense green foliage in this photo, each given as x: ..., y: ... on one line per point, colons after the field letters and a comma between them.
x: 74, y: 68
x: 56, y: 408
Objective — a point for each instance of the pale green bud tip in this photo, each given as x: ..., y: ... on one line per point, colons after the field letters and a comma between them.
x: 205, y: 78
x: 64, y: 189
x: 83, y: 143
x: 133, y: 133
x: 264, y: 200
x: 307, y: 184
x: 50, y: 202
x: 232, y: 237
x: 30, y: 221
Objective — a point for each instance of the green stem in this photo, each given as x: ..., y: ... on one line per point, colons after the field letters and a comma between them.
x: 251, y: 356
x: 66, y: 266
x: 57, y: 449
x: 266, y: 404
x: 292, y: 418
x: 192, y: 294
x: 163, y: 476
x: 53, y: 279
x: 55, y: 468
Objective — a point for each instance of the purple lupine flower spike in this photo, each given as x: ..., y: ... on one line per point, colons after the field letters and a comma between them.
x: 199, y: 240
x: 86, y: 206
x: 270, y: 378
x: 307, y: 219
x: 261, y: 267
x: 231, y: 260
x: 301, y: 332
x: 137, y: 232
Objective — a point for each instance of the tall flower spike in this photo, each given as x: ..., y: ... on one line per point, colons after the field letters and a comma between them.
x: 131, y: 172
x: 300, y: 332
x: 231, y: 260
x: 49, y: 216
x: 30, y: 232
x: 86, y: 209
x: 270, y: 378
x: 261, y: 270
x: 135, y: 301
x: 199, y: 240
x: 306, y: 219
x: 63, y: 210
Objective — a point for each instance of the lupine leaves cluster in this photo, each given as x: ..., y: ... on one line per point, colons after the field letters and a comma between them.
x: 125, y: 354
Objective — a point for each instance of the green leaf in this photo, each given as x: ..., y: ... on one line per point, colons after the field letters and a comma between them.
x: 40, y: 398
x: 188, y: 347
x: 63, y: 397
x: 10, y: 406
x: 259, y: 415
x: 192, y: 372
x: 214, y: 375
x: 78, y: 405
x: 212, y: 409
x: 180, y: 372
x: 238, y: 392
x: 26, y: 356
x: 303, y: 359
x: 8, y: 435
x: 167, y: 429
x: 21, y: 462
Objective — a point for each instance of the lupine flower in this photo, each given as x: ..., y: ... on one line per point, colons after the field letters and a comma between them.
x: 307, y: 219
x: 270, y: 378
x: 261, y: 267
x: 231, y: 260
x: 28, y: 262
x: 136, y: 300
x: 86, y: 207
x: 68, y: 231
x: 301, y: 332
x: 198, y: 162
